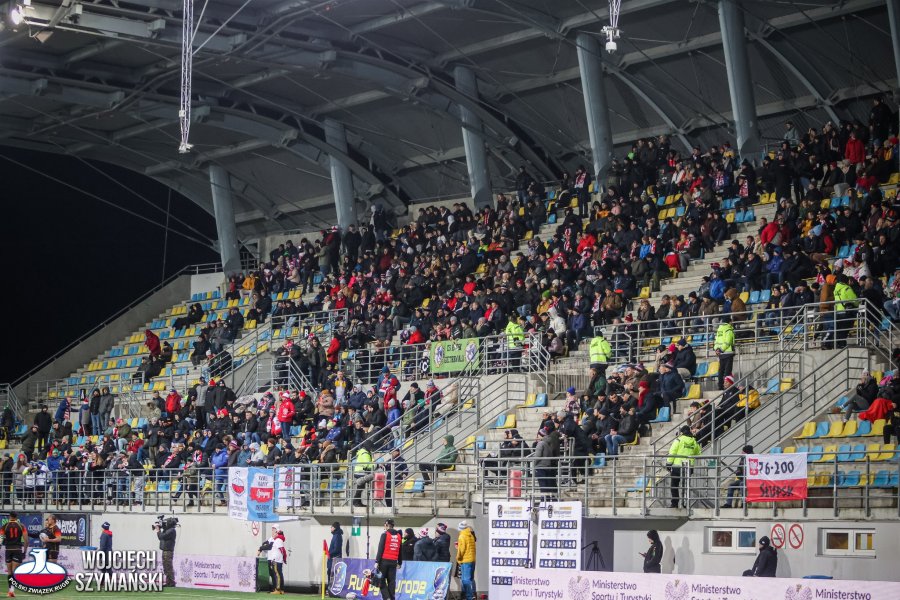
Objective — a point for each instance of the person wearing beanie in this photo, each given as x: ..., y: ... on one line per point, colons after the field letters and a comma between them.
x: 407, y: 548
x: 679, y: 461
x: 441, y: 543
x: 336, y: 546
x: 425, y: 550
x: 737, y: 485
x: 106, y: 543
x: 766, y: 561
x: 465, y: 557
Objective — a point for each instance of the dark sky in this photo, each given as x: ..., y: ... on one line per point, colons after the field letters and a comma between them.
x: 72, y: 261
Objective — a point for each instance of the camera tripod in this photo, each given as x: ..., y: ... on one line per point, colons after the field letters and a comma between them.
x: 595, y: 560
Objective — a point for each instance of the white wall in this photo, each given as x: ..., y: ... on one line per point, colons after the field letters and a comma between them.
x: 222, y: 536
x: 685, y: 550
x: 206, y: 282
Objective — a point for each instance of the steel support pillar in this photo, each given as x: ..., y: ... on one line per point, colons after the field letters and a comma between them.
x: 740, y: 80
x: 473, y: 140
x: 893, y: 7
x: 590, y: 66
x: 223, y: 207
x: 341, y: 178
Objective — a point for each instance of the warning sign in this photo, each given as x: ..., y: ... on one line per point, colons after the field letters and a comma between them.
x: 795, y: 536
x: 778, y: 535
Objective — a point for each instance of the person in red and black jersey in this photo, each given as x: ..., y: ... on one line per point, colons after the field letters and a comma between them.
x: 388, y: 558
x: 51, y: 536
x: 15, y: 540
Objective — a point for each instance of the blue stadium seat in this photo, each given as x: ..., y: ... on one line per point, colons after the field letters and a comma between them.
x: 844, y: 453
x: 848, y: 479
x: 663, y: 416
x: 815, y: 454
x: 776, y: 450
x: 822, y: 428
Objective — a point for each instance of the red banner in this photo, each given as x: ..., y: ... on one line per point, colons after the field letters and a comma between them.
x: 776, y: 477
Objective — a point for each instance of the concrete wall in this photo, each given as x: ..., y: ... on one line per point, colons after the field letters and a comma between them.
x: 686, y: 551
x: 178, y: 290
x: 206, y: 282
x: 223, y: 536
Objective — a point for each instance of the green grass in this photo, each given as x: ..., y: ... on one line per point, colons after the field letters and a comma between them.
x: 169, y: 593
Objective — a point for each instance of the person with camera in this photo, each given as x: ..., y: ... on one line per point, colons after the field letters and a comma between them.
x: 389, y: 558
x: 166, y: 534
x: 276, y: 556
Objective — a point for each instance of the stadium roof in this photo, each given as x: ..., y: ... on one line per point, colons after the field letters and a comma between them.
x: 104, y: 84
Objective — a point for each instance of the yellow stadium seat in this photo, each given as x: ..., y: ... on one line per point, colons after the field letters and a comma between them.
x: 809, y: 430
x: 887, y: 452
x: 713, y: 369
x: 729, y: 217
x: 694, y: 392
x: 530, y: 398
x: 836, y: 429
x: 528, y: 235
x: 789, y: 450
x: 877, y: 429
x: 850, y: 428
x: 645, y: 293
x: 745, y: 296
x: 872, y: 451
x: 894, y: 178
x: 829, y: 454
x: 786, y: 384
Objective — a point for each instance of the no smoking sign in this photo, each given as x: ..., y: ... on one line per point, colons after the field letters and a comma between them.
x: 778, y: 535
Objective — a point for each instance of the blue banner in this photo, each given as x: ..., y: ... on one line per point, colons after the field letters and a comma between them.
x: 261, y: 495
x: 415, y: 580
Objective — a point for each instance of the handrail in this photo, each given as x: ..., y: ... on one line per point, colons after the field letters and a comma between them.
x: 9, y: 395
x: 187, y: 270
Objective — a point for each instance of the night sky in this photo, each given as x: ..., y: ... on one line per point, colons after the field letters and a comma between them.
x: 72, y: 261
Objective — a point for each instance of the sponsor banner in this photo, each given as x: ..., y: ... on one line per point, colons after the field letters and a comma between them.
x: 75, y: 528
x: 452, y: 356
x: 415, y: 580
x: 509, y: 536
x: 261, y: 495
x: 237, y: 493
x: 559, y: 536
x: 558, y: 584
x: 289, y: 491
x: 776, y: 477
x: 33, y: 522
x: 224, y: 573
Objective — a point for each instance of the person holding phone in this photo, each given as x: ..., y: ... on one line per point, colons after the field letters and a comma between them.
x: 653, y: 555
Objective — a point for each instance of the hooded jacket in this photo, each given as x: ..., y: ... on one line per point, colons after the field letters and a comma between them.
x: 336, y: 546
x: 465, y: 546
x: 683, y: 446
x: 767, y: 561
x: 448, y: 453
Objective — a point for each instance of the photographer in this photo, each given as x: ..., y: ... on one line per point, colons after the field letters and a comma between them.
x: 165, y: 532
x: 276, y: 556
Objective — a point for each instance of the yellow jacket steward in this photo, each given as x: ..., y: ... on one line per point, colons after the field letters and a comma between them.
x: 725, y: 338
x: 465, y: 548
x: 843, y: 295
x: 683, y: 446
x: 515, y: 335
x: 600, y: 350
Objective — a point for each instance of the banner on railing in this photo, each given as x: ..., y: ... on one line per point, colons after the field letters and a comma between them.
x: 776, y: 477
x: 566, y: 585
x: 559, y: 536
x: 251, y: 494
x: 291, y: 482
x: 452, y: 356
x: 509, y: 537
x: 415, y: 580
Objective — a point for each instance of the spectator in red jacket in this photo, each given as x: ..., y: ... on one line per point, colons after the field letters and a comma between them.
x: 855, y: 151
x: 286, y: 415
x: 173, y: 402
x: 151, y: 340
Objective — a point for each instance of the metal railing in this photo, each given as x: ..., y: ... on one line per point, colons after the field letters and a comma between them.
x: 647, y: 484
x: 313, y: 488
x: 9, y: 398
x: 243, y: 350
x: 187, y: 270
x: 630, y: 340
x: 490, y: 355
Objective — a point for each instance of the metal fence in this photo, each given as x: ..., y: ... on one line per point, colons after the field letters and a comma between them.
x: 649, y: 485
